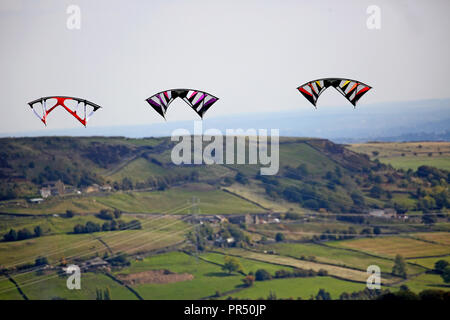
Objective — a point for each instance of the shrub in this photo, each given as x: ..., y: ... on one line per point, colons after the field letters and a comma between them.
x: 262, y: 275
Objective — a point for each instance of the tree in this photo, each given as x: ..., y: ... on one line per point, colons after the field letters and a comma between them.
x: 399, y: 268
x: 41, y: 261
x: 279, y: 237
x: 99, y: 294
x: 262, y: 275
x: 428, y: 219
x: 106, y: 227
x: 446, y: 274
x: 323, y: 295
x: 69, y: 214
x: 311, y: 204
x: 377, y: 230
x: 241, y: 178
x: 10, y: 236
x: 232, y: 264
x: 358, y: 198
x: 127, y: 184
x: 24, y: 234
x: 106, y: 294
x: 38, y: 231
x: 78, y: 229
x: 249, y: 280
x: 376, y: 192
x: 440, y: 265
x: 117, y: 213
x: 106, y: 214
x: 91, y: 227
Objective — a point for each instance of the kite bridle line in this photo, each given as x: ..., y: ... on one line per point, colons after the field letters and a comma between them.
x: 60, y: 101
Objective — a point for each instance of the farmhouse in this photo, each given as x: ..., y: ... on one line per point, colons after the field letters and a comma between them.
x: 95, y: 263
x: 92, y: 188
x: 52, y: 188
x: 45, y: 192
x: 259, y: 218
x: 35, y: 200
x: 383, y: 213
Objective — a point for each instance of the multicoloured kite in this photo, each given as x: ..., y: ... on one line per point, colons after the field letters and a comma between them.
x: 351, y: 89
x: 80, y: 109
x: 199, y: 101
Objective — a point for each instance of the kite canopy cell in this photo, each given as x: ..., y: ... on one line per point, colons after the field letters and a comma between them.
x: 351, y: 89
x: 199, y: 101
x: 80, y: 109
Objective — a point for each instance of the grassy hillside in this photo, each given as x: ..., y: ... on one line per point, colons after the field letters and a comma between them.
x: 314, y: 174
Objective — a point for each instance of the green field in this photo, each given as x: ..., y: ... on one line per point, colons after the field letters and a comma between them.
x: 247, y: 264
x: 157, y: 232
x: 51, y: 286
x: 208, y: 278
x: 49, y: 224
x: 212, y: 201
x: 426, y: 282
x: 408, y: 155
x: 53, y: 247
x: 296, y: 154
x: 298, y: 287
x: 142, y: 170
x: 336, y: 256
x: 337, y: 271
x: 413, y: 163
x: 8, y: 290
x: 429, y: 262
x: 302, y: 231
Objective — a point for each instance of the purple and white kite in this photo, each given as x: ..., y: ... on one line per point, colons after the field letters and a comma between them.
x: 199, y: 101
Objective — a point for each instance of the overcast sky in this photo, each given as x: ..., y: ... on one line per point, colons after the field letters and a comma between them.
x: 250, y: 54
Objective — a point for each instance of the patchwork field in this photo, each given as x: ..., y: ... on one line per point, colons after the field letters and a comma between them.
x: 53, y: 247
x: 437, y: 237
x: 207, y: 277
x: 212, y: 201
x: 391, y: 246
x: 336, y: 271
x: 156, y: 232
x: 336, y: 256
x: 302, y: 231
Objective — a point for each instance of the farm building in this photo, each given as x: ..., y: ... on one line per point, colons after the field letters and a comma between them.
x: 383, y: 213
x: 94, y: 263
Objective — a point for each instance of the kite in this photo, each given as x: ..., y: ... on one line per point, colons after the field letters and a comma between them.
x: 351, y: 89
x: 71, y: 104
x: 199, y: 101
